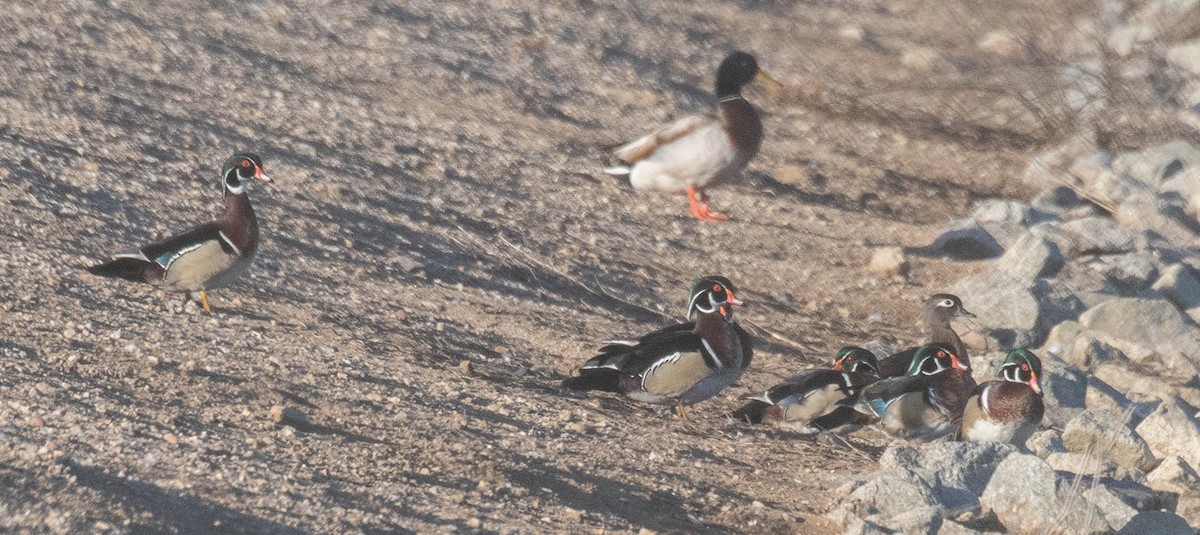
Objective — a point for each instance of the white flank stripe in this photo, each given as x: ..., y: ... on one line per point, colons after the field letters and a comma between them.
x: 713, y: 353
x: 229, y: 242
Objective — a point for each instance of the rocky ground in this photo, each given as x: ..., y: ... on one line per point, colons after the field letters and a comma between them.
x: 441, y: 250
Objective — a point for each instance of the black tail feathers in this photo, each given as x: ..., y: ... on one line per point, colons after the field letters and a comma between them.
x: 130, y: 269
x: 603, y: 379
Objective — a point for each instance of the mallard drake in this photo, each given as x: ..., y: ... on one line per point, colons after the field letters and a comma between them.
x: 938, y: 311
x: 206, y: 256
x: 813, y: 401
x: 925, y: 403
x: 676, y: 365
x: 700, y: 151
x: 1010, y: 408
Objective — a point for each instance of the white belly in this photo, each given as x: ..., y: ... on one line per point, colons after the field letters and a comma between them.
x: 688, y: 161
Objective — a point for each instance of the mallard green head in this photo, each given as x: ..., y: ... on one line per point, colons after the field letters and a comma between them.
x: 737, y: 70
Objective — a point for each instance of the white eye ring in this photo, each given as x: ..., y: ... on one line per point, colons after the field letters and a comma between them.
x: 946, y: 303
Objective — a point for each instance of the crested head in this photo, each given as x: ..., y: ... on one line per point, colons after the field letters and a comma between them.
x: 855, y: 359
x: 1022, y: 366
x: 710, y: 294
x: 932, y: 359
x: 737, y: 70
x: 944, y: 307
x: 239, y: 169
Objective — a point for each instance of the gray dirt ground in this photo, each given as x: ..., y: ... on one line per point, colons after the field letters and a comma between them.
x: 441, y: 250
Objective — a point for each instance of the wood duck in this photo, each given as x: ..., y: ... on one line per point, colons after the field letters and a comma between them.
x: 676, y: 365
x: 925, y: 403
x: 1010, y: 408
x: 206, y: 256
x: 813, y: 401
x: 939, y: 310
x: 699, y: 151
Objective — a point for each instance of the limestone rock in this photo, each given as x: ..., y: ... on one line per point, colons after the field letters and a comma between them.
x: 1031, y: 257
x: 1103, y: 435
x: 888, y: 262
x: 1173, y: 429
x: 1088, y: 236
x: 1064, y: 390
x: 1005, y: 307
x: 1174, y: 475
x: 1157, y: 164
x: 1143, y: 327
x: 1181, y: 286
x: 1027, y: 496
x: 966, y: 239
x: 1045, y: 442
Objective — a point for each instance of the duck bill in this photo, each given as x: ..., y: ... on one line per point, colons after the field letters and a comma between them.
x: 837, y: 365
x: 957, y: 364
x: 729, y: 298
x: 1033, y: 383
x: 260, y: 176
x: 766, y: 79
x: 962, y: 313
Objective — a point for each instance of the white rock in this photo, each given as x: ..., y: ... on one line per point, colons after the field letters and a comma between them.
x: 1028, y: 497
x: 1182, y: 287
x: 1186, y: 57
x: 1174, y: 475
x: 1144, y: 327
x: 1003, y: 44
x: 1030, y: 257
x: 1172, y: 429
x: 1102, y: 435
x: 888, y: 262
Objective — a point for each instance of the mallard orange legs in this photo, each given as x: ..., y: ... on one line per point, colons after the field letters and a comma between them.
x: 698, y: 201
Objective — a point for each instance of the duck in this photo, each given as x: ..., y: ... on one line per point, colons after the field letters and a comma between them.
x: 206, y: 256
x: 676, y: 365
x: 700, y: 151
x: 1009, y: 409
x: 811, y: 402
x: 922, y: 405
x: 938, y: 311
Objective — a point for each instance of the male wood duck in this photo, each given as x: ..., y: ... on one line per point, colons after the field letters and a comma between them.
x: 699, y: 151
x: 813, y: 401
x: 939, y: 310
x: 206, y: 256
x: 676, y: 365
x: 925, y: 403
x: 1010, y: 408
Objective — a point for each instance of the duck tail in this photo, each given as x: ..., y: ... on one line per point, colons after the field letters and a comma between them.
x: 752, y: 412
x: 602, y: 379
x: 128, y: 268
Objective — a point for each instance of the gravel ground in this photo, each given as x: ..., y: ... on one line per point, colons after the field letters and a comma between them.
x: 440, y: 250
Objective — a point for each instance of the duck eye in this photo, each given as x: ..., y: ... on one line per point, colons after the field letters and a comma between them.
x: 246, y: 163
x: 947, y: 303
x: 716, y: 287
x: 1024, y: 367
x: 941, y: 354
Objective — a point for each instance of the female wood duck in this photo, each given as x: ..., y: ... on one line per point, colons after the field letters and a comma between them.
x: 676, y: 365
x: 813, y: 401
x: 206, y: 256
x: 699, y: 151
x: 1009, y: 409
x: 925, y: 403
x: 939, y: 310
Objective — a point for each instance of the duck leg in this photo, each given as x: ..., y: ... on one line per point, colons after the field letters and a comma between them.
x: 698, y: 201
x: 204, y: 301
x: 681, y: 411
